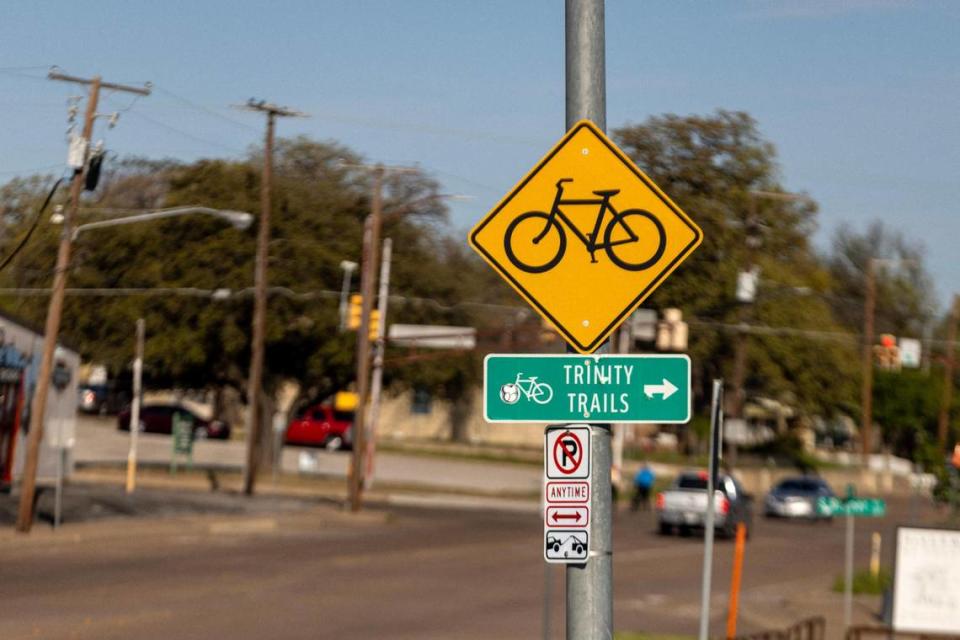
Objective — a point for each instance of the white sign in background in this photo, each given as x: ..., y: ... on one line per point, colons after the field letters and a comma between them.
x: 909, y: 352
x: 926, y: 588
x: 566, y: 490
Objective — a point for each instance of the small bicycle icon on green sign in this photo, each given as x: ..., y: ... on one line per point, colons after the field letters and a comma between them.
x: 539, y: 392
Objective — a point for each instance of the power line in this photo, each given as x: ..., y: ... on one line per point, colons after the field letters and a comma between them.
x: 208, y: 110
x: 233, y: 150
x: 487, y: 136
x: 33, y: 226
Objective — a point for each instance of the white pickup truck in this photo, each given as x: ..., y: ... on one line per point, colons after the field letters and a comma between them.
x: 684, y: 505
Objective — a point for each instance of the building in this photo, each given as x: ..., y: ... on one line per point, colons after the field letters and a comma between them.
x: 21, y: 349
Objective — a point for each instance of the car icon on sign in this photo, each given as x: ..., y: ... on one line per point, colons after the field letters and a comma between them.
x: 570, y: 546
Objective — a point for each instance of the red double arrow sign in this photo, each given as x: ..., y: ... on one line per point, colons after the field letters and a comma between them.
x: 568, y: 516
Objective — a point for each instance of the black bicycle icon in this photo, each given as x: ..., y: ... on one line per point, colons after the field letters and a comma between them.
x: 551, y: 222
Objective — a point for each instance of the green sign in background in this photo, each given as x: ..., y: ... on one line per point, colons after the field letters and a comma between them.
x: 589, y: 388
x: 862, y: 507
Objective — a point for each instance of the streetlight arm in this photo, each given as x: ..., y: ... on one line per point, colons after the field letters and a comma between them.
x: 238, y: 219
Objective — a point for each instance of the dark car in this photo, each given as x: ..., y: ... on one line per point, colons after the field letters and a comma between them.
x: 797, y: 498
x: 683, y: 506
x: 158, y: 418
x: 321, y: 425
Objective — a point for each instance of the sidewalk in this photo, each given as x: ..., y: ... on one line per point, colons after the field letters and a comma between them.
x: 100, y: 445
x: 98, y: 493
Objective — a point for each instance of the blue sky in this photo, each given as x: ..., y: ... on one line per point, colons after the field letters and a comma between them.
x: 859, y: 96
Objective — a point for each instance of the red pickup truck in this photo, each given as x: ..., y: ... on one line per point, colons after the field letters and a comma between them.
x: 321, y: 426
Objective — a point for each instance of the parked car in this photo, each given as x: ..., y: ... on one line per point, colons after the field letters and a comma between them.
x: 683, y: 506
x: 158, y: 418
x: 797, y: 498
x: 321, y: 425
x: 101, y: 399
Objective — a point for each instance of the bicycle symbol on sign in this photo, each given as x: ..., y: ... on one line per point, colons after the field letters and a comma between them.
x: 539, y: 392
x: 528, y: 224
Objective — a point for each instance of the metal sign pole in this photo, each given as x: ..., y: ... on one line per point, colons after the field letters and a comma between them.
x: 716, y: 427
x: 848, y: 575
x: 590, y: 585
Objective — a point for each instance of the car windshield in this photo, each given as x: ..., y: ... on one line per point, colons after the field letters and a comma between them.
x: 692, y: 481
x: 800, y: 486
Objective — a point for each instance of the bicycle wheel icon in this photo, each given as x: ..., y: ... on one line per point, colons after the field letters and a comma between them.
x: 535, y: 242
x: 630, y: 253
x: 541, y: 393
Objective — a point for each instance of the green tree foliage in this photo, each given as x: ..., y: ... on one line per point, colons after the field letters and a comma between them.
x: 202, y: 341
x: 709, y: 165
x: 906, y: 404
x: 808, y: 311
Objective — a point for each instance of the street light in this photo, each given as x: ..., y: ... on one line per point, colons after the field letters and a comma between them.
x: 238, y: 219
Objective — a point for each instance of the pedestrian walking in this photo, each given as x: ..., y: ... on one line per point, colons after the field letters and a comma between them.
x: 642, y: 485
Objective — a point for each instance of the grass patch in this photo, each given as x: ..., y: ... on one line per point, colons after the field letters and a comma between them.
x: 865, y: 582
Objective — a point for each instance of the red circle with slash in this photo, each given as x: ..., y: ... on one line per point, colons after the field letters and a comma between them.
x: 568, y: 453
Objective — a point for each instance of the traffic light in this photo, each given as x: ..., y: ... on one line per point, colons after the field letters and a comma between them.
x: 355, y: 312
x: 887, y: 354
x: 374, y: 325
x: 672, y: 331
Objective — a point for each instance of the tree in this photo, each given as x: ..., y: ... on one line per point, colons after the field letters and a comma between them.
x: 203, y: 341
x: 905, y: 300
x: 709, y: 165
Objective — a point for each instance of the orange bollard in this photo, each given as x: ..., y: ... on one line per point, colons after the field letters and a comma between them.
x: 735, y: 580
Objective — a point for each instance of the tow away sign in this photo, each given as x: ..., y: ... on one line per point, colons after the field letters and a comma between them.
x: 566, y: 491
x: 601, y: 389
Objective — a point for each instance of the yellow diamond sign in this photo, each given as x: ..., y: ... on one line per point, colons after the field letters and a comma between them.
x: 585, y: 237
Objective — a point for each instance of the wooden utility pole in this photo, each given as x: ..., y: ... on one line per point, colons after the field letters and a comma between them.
x: 371, y: 246
x: 255, y: 435
x: 943, y: 421
x: 55, y: 310
x: 866, y: 397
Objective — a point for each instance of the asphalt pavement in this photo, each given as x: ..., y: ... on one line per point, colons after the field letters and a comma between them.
x: 310, y: 570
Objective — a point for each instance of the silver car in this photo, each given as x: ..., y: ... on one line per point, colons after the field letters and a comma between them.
x: 796, y: 498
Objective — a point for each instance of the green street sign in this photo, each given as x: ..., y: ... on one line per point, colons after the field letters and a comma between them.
x: 858, y: 507
x: 593, y: 388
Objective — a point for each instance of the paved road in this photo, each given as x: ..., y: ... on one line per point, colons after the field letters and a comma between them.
x: 396, y: 573
x: 98, y: 441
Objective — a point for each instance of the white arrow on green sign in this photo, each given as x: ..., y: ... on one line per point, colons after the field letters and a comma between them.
x: 598, y: 389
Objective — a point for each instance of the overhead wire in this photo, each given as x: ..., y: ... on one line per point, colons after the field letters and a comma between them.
x: 208, y: 110
x: 186, y: 134
x: 33, y: 226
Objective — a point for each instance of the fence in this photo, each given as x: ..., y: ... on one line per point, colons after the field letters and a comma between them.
x: 814, y: 628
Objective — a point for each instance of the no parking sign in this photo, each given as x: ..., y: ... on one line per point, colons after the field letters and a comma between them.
x: 566, y: 492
